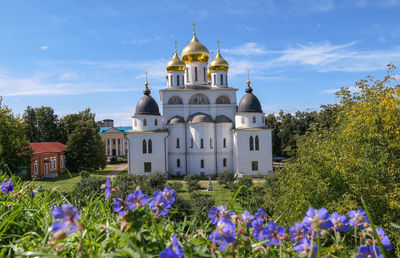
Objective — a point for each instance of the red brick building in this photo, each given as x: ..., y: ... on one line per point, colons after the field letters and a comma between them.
x: 48, y: 159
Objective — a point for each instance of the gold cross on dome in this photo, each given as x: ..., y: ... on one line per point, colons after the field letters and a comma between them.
x: 194, y: 27
x: 248, y: 74
x: 147, y: 83
x: 218, y: 44
x: 176, y: 45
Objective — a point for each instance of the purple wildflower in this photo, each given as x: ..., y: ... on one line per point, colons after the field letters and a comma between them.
x: 7, y: 187
x: 136, y: 200
x: 258, y: 226
x: 369, y: 252
x: 358, y: 218
x: 247, y: 218
x: 119, y: 206
x: 217, y: 213
x: 317, y: 219
x: 174, y: 251
x: 69, y: 216
x: 298, y: 231
x: 304, y: 247
x: 107, y: 190
x: 34, y: 192
x: 340, y: 223
x: 224, y: 234
x: 384, y: 239
x: 159, y: 205
x: 260, y: 213
x: 273, y: 233
x: 168, y: 194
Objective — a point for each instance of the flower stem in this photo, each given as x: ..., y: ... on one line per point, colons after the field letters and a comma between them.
x: 312, y: 245
x: 319, y: 246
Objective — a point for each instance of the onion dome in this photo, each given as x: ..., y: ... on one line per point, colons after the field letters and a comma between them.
x: 219, y: 63
x: 209, y: 74
x: 200, y: 118
x: 147, y: 105
x: 176, y: 64
x: 177, y: 120
x: 249, y: 102
x: 195, y: 51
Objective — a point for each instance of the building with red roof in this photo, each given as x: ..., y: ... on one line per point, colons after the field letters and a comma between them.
x: 48, y: 159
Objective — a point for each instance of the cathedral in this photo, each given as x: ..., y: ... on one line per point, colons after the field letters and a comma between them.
x: 202, y: 130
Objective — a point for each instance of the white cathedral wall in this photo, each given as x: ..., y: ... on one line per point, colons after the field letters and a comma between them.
x: 137, y: 157
x: 174, y: 153
x: 173, y: 83
x: 224, y: 131
x: 190, y: 78
x: 244, y: 156
x: 248, y: 120
x: 139, y: 125
x: 216, y: 79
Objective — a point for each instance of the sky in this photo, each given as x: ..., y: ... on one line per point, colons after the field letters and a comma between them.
x: 72, y: 55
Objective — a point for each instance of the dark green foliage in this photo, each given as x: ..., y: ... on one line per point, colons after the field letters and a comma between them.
x: 128, y: 184
x: 156, y: 181
x: 177, y: 186
x: 41, y: 124
x: 113, y: 160
x: 202, y: 205
x: 225, y: 177
x: 180, y: 208
x: 69, y: 122
x: 89, y: 186
x: 84, y: 174
x: 246, y: 181
x: 192, y: 182
x: 14, y: 149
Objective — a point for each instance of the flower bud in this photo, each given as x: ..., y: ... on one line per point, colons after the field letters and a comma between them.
x: 60, y: 235
x: 79, y: 247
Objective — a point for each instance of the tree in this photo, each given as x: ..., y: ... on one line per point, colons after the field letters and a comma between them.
x: 68, y: 123
x: 14, y: 147
x: 41, y: 124
x: 85, y: 149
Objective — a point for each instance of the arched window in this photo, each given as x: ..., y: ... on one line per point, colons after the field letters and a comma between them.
x: 195, y: 74
x: 177, y: 80
x: 254, y: 119
x: 201, y: 143
x: 171, y: 81
x: 224, y: 142
x: 224, y: 163
x: 211, y: 144
x: 150, y: 147
x: 187, y: 74
x: 202, y: 163
x: 134, y: 123
x: 199, y: 99
x: 175, y: 100
x: 191, y: 142
x: 178, y: 163
x: 144, y: 146
x: 144, y: 122
x: 226, y: 80
x: 242, y: 120
x: 215, y: 79
x: 156, y: 122
x: 222, y: 79
x: 205, y: 73
x: 223, y: 100
x: 251, y: 143
x: 177, y: 143
x: 257, y: 143
x: 263, y: 120
x: 182, y: 80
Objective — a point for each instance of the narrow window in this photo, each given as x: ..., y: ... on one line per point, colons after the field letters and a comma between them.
x: 215, y: 79
x: 108, y: 140
x: 254, y: 165
x: 251, y: 143
x: 177, y: 80
x: 150, y: 147
x: 195, y: 74
x: 35, y: 167
x: 205, y: 74
x: 211, y: 145
x: 177, y: 143
x: 144, y: 123
x: 224, y: 142
x: 147, y: 167
x: 222, y: 79
x: 202, y: 163
x: 113, y: 141
x: 201, y: 143
x: 182, y: 80
x: 170, y: 80
x: 144, y: 146
x: 242, y: 120
x: 55, y: 163
x: 134, y: 122
x: 226, y: 80
x: 119, y: 141
x: 178, y: 163
x: 257, y: 143
x: 263, y: 120
x: 191, y: 142
x: 254, y: 119
x: 156, y: 122
x: 224, y: 163
x: 187, y: 74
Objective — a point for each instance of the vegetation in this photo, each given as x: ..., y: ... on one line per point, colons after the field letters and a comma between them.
x: 226, y: 177
x: 192, y: 182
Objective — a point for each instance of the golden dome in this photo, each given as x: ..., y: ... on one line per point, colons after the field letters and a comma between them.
x: 176, y: 64
x: 195, y: 51
x: 219, y: 63
x: 209, y: 74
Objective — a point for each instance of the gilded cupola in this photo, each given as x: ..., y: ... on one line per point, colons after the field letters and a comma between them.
x: 195, y: 51
x: 219, y: 63
x: 176, y: 64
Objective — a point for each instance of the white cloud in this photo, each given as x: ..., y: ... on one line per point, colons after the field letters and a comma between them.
x: 247, y: 49
x: 333, y: 91
x: 145, y: 40
x: 396, y: 77
x: 69, y: 76
x: 44, y: 47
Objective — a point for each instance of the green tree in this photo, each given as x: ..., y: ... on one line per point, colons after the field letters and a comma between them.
x: 69, y: 122
x: 14, y: 147
x: 41, y: 124
x: 85, y: 149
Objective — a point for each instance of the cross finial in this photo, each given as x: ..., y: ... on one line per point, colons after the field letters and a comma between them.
x: 218, y: 44
x: 248, y: 78
x: 147, y: 83
x: 212, y: 55
x: 194, y: 28
x: 176, y: 45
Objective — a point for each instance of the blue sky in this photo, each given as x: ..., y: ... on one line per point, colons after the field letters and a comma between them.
x: 71, y: 55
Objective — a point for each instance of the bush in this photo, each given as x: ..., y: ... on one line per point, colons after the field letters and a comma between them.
x: 156, y: 181
x: 84, y: 174
x: 182, y: 207
x: 226, y: 177
x: 113, y: 160
x: 192, y: 182
x: 127, y: 184
x: 247, y: 181
x: 177, y: 186
x: 202, y: 205
x: 88, y: 186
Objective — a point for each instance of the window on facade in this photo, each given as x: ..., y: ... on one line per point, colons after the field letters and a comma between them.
x: 55, y: 163
x: 182, y: 80
x: 134, y: 122
x: 177, y: 80
x: 191, y: 142
x: 201, y: 143
x: 177, y: 143
x: 222, y: 79
x: 199, y: 99
x: 144, y: 122
x: 147, y: 167
x: 170, y: 80
x: 126, y: 151
x: 108, y: 141
x: 187, y: 74
x: 224, y: 143
x: 251, y: 143
x: 224, y: 163
x: 62, y: 161
x: 178, y: 163
x: 215, y: 79
x: 263, y: 120
x: 175, y: 100
x: 211, y: 144
x: 150, y: 148
x: 202, y: 174
x: 155, y: 122
x: 204, y: 73
x: 254, y: 119
x: 144, y: 146
x: 113, y: 141
x: 195, y: 74
x: 257, y: 143
x: 254, y: 165
x: 202, y: 163
x: 242, y: 120
x: 223, y: 100
x: 51, y: 163
x: 119, y: 141
x: 35, y: 167
x: 226, y: 80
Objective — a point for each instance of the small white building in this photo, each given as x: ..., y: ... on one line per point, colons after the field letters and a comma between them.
x: 202, y: 130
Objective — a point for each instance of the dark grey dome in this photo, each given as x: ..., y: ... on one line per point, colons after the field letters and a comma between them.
x: 147, y: 105
x: 249, y: 102
x: 200, y: 118
x: 223, y: 119
x: 177, y: 120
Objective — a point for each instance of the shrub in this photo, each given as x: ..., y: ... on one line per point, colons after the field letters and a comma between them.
x: 226, y: 177
x: 177, y: 186
x: 192, y: 182
x: 182, y: 207
x: 128, y: 183
x: 113, y: 160
x: 156, y: 181
x: 84, y: 174
x: 247, y: 181
x: 88, y: 186
x: 202, y: 204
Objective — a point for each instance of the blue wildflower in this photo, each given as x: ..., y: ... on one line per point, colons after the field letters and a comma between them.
x: 136, y: 200
x: 159, y: 205
x: 119, y: 206
x: 303, y: 247
x: 7, y: 187
x: 217, y: 213
x: 107, y: 190
x: 340, y: 223
x: 168, y: 194
x: 369, y: 252
x: 174, y: 251
x: 69, y: 216
x: 384, y: 239
x: 358, y: 218
x: 34, y: 192
x: 317, y: 219
x: 298, y: 231
x: 273, y: 233
x: 247, y: 218
x: 258, y: 226
x: 224, y: 234
x: 260, y: 213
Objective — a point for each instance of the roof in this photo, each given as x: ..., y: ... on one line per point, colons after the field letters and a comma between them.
x: 249, y: 102
x: 200, y: 117
x: 177, y: 120
x: 147, y: 106
x: 119, y: 128
x: 46, y: 147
